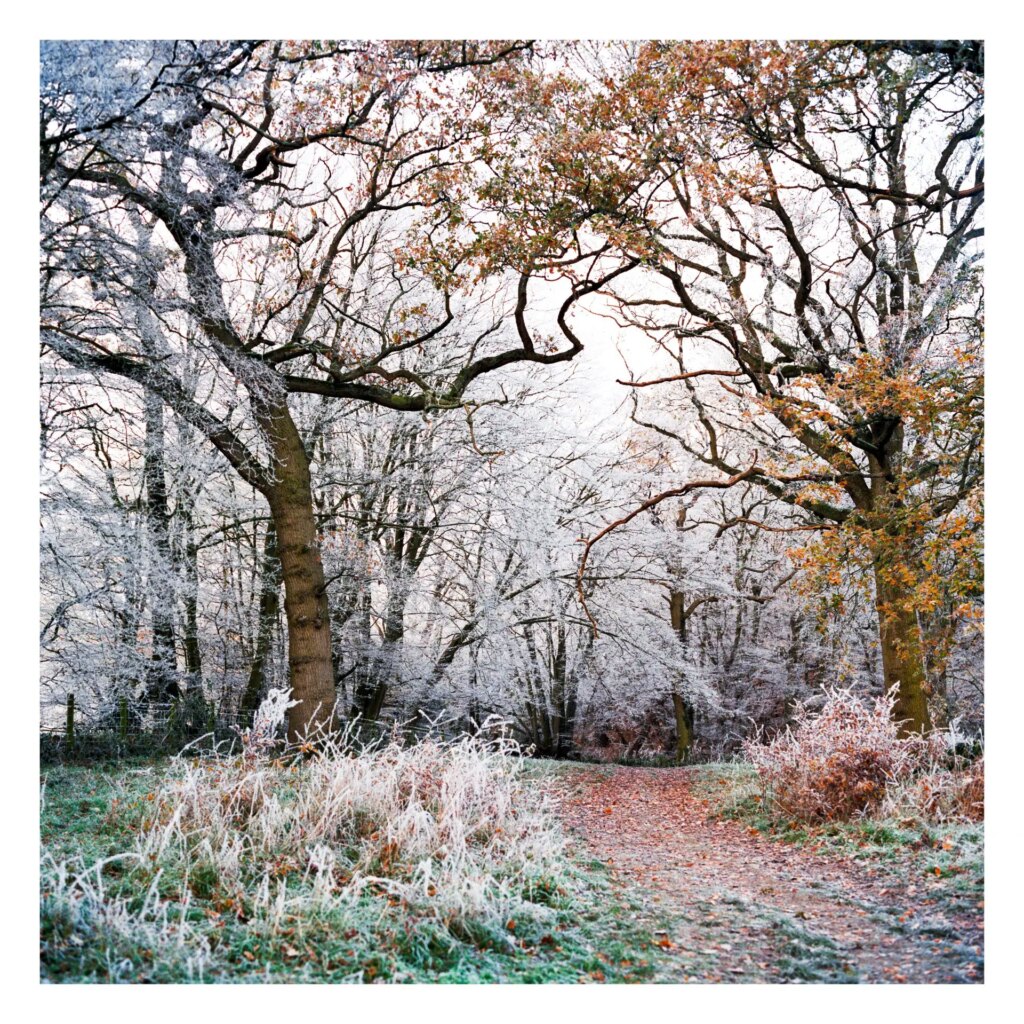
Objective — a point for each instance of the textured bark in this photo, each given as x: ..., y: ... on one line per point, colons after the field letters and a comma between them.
x: 899, y: 632
x: 305, y: 598
x: 162, y: 673
x: 902, y: 657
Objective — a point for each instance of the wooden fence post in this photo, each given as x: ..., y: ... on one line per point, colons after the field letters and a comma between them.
x: 122, y: 723
x: 69, y: 728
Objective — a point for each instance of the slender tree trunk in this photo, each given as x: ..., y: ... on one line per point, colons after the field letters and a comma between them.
x: 372, y: 702
x: 565, y: 699
x: 305, y: 596
x: 902, y: 656
x: 682, y: 709
x: 193, y: 656
x: 547, y: 736
x: 127, y: 675
x: 270, y: 603
x: 186, y: 555
x: 365, y: 679
x: 534, y: 676
x: 635, y: 747
x: 190, y: 570
x: 684, y: 727
x: 162, y: 682
x: 568, y: 730
x: 388, y: 658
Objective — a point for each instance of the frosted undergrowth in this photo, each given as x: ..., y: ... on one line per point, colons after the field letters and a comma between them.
x: 449, y: 832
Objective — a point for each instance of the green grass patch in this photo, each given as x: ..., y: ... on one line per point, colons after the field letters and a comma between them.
x: 149, y: 923
x: 806, y: 956
x: 950, y: 857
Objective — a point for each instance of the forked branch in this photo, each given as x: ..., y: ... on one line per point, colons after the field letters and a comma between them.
x: 674, y: 492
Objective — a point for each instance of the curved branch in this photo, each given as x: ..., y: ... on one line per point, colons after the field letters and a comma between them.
x: 674, y: 492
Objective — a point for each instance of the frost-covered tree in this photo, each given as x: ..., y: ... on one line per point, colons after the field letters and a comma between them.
x: 806, y: 222
x: 241, y: 193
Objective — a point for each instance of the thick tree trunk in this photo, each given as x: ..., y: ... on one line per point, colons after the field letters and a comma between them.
x: 902, y: 656
x: 305, y: 596
x: 898, y: 629
x: 162, y: 674
x: 270, y: 603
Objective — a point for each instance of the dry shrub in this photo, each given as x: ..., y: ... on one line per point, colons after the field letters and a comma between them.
x: 449, y: 831
x: 452, y: 818
x: 849, y: 759
x: 939, y: 794
x: 970, y: 796
x: 837, y: 763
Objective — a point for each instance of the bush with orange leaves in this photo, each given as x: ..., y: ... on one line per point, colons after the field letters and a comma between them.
x: 838, y: 763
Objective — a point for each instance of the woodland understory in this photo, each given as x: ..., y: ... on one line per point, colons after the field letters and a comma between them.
x: 436, y: 404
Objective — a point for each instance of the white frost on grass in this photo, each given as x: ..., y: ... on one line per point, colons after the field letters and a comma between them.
x: 447, y: 832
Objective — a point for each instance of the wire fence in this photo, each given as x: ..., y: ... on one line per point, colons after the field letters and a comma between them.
x: 125, y: 728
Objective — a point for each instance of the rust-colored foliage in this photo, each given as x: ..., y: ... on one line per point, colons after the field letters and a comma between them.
x: 838, y: 763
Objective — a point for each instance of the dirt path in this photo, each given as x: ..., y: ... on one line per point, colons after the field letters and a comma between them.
x: 737, y: 906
